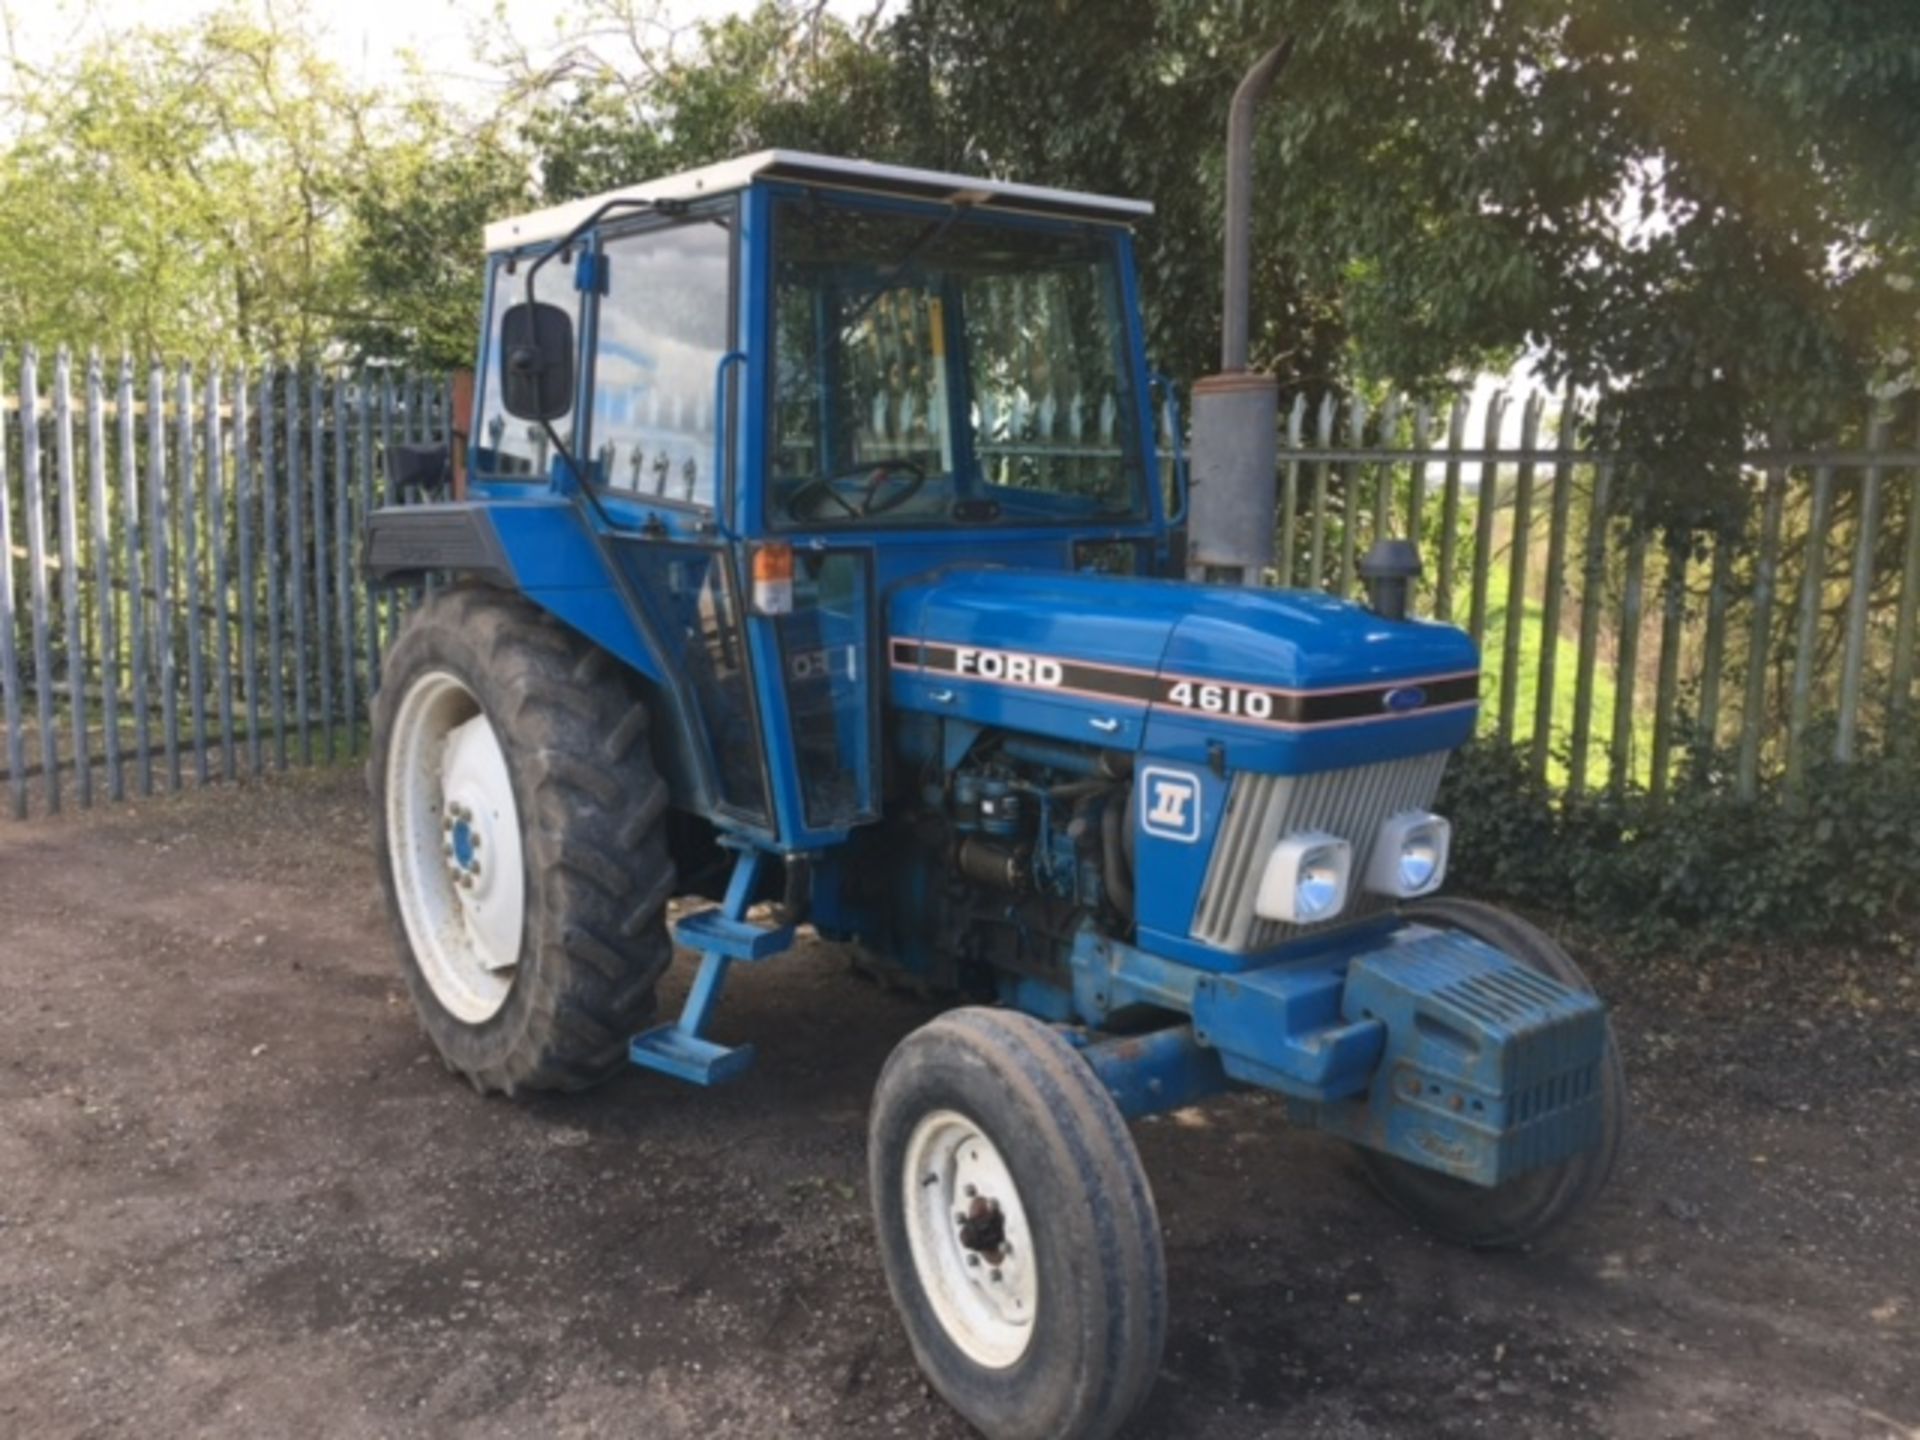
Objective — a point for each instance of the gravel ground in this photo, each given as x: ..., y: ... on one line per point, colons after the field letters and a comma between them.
x: 239, y: 1197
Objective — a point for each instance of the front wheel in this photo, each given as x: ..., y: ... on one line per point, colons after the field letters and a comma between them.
x: 1526, y: 1207
x: 1018, y: 1234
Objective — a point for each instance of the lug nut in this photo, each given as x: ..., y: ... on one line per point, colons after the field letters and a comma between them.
x: 994, y: 1275
x: 973, y: 1260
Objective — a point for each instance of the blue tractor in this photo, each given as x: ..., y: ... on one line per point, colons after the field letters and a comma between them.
x: 817, y: 557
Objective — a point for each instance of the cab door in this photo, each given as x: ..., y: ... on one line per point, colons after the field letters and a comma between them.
x: 661, y: 344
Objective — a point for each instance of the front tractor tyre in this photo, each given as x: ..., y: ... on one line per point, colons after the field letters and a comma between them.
x: 1526, y: 1207
x: 519, y: 827
x: 1018, y: 1235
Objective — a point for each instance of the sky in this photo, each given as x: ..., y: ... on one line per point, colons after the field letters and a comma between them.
x: 368, y: 39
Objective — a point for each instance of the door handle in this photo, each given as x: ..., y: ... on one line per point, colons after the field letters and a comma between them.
x: 1105, y: 724
x: 942, y: 697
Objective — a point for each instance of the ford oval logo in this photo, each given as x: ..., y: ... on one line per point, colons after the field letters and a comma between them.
x: 1403, y: 699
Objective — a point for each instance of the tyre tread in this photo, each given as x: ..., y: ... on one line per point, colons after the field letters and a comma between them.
x: 596, y: 933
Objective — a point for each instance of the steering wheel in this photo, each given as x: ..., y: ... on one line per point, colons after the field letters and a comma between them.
x: 872, y: 500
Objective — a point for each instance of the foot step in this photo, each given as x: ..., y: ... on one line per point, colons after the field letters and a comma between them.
x: 675, y: 1051
x: 711, y: 930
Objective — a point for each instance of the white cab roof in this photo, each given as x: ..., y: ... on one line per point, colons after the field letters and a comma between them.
x: 825, y: 170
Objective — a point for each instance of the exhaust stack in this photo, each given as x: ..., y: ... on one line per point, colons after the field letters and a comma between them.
x: 1236, y: 413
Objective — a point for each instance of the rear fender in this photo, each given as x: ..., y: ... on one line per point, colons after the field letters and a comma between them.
x: 542, y: 549
x: 538, y: 547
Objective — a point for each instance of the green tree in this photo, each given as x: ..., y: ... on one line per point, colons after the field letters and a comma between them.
x: 1709, y: 207
x: 413, y: 249
x: 178, y: 189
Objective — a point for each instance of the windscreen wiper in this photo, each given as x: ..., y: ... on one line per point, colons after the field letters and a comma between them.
x: 915, y: 248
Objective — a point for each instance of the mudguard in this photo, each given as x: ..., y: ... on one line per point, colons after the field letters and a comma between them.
x: 540, y: 547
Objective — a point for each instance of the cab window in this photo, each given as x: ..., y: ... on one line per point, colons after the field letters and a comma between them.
x: 947, y: 368
x: 665, y: 322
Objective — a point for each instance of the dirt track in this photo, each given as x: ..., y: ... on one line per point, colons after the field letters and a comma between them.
x: 238, y: 1197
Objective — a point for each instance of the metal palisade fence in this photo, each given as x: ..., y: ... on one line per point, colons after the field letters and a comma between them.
x: 180, y: 596
x: 179, y: 592
x: 1611, y: 653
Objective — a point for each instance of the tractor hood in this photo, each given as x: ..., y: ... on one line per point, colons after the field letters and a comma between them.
x: 1286, y: 680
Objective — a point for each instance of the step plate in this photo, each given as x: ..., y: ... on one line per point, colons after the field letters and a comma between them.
x: 673, y: 1051
x: 735, y: 939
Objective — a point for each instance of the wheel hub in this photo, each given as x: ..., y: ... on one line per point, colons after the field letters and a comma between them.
x: 972, y: 1248
x: 983, y: 1229
x: 454, y: 835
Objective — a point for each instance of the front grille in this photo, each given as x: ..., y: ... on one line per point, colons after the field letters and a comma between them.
x: 1351, y: 803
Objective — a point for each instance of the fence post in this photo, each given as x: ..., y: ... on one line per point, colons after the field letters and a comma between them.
x: 249, y: 575
x: 1812, y: 582
x: 1486, y: 501
x: 1593, y: 576
x: 105, y: 612
x: 1518, y: 548
x: 297, y: 563
x: 133, y: 535
x: 1673, y: 612
x: 365, y: 440
x: 1559, y: 513
x: 1290, y: 492
x: 1352, y: 480
x: 1707, y: 726
x: 1417, y: 486
x: 270, y: 544
x: 1765, y: 575
x: 1906, y: 621
x: 1383, y: 478
x: 160, y: 528
x: 9, y: 658
x: 1631, y: 602
x: 69, y: 504
x: 1853, y: 664
x: 190, y: 562
x: 396, y: 596
x: 343, y: 588
x: 34, y: 497
x: 1450, y: 508
x: 217, y: 550
x: 322, y: 620
x: 1317, y: 527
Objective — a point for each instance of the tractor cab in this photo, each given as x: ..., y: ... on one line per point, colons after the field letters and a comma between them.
x: 784, y: 385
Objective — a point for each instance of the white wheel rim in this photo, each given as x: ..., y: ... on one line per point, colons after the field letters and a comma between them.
x: 959, y: 1194
x: 453, y: 833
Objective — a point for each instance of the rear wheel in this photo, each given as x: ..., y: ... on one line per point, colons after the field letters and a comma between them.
x: 1017, y: 1231
x: 1527, y: 1206
x: 519, y: 826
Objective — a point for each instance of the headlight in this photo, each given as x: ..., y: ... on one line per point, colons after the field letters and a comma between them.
x: 1305, y: 879
x: 1410, y: 857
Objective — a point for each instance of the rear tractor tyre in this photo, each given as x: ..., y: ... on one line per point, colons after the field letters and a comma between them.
x: 519, y: 826
x: 1016, y: 1228
x: 1528, y: 1206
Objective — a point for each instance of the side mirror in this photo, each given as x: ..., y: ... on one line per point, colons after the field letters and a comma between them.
x: 536, y: 361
